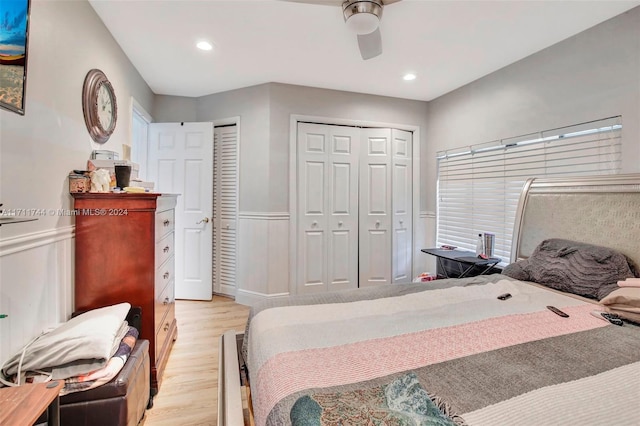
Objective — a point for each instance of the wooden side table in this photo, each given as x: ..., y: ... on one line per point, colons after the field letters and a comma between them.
x: 23, y: 405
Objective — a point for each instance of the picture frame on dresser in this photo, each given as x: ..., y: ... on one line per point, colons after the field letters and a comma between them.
x: 127, y: 255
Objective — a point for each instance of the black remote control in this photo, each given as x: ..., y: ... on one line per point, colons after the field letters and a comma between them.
x: 558, y: 311
x: 607, y: 316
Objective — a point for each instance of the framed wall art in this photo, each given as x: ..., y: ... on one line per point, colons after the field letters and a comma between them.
x: 14, y: 37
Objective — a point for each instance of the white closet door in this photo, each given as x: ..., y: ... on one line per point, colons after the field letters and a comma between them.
x: 375, y: 207
x: 342, y: 244
x: 401, y: 144
x: 225, y: 204
x: 180, y: 162
x: 327, y: 208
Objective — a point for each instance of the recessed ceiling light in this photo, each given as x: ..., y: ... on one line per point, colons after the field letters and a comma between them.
x: 203, y: 45
x: 409, y: 77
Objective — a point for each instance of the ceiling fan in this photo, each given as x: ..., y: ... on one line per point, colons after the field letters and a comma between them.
x: 363, y: 18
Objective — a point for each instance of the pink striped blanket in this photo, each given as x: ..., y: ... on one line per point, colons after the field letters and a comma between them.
x: 440, y: 355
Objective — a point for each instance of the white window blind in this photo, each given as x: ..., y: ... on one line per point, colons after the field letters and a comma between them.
x: 479, y: 185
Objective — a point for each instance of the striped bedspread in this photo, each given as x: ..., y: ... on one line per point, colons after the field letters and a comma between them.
x: 479, y: 360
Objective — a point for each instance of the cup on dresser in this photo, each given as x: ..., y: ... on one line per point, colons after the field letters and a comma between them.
x: 123, y: 175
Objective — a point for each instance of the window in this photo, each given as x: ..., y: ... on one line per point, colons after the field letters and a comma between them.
x: 140, y: 120
x: 479, y: 185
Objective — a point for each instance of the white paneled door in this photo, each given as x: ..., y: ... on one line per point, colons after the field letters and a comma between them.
x: 401, y: 204
x: 328, y: 207
x: 375, y: 208
x: 354, y: 207
x: 181, y: 162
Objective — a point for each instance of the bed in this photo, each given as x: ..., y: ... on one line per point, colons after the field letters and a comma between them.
x: 452, y: 352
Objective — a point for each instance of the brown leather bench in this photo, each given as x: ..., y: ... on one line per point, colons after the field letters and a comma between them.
x: 120, y: 402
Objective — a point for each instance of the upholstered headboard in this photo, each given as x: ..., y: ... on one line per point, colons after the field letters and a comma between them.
x: 601, y: 210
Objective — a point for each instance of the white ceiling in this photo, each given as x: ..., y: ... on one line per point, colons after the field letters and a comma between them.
x: 446, y: 43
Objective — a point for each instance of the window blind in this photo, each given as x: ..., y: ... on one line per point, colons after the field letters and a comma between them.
x: 479, y: 185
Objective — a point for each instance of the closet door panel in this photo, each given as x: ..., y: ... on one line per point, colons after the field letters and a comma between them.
x: 375, y: 208
x: 341, y: 242
x: 312, y: 187
x: 327, y: 207
x: 342, y: 205
x: 402, y: 221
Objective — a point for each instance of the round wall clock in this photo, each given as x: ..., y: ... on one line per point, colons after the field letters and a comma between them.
x: 99, y: 106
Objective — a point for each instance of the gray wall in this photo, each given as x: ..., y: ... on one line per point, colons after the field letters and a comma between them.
x: 265, y: 113
x: 595, y: 74
x: 252, y: 106
x: 39, y: 149
x: 172, y: 109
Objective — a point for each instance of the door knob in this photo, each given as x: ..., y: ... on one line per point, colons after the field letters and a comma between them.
x: 340, y: 223
x: 377, y: 224
x: 205, y: 220
x: 314, y: 223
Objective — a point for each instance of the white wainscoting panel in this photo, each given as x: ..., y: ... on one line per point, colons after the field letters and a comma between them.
x: 36, y: 285
x: 263, y: 256
x: 425, y: 238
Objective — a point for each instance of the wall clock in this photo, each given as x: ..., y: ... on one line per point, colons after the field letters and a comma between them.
x: 99, y: 106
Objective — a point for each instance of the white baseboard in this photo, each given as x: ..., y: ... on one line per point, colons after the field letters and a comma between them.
x: 250, y: 298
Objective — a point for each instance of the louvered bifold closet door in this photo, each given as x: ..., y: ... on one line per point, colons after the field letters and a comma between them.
x: 225, y: 209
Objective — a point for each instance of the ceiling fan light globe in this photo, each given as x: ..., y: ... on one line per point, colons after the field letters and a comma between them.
x: 363, y: 23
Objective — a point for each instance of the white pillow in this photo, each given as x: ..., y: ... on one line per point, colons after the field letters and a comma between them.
x: 625, y: 302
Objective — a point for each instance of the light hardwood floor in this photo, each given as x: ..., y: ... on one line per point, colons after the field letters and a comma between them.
x: 189, y: 390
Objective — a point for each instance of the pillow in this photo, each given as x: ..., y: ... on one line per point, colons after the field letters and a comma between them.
x: 578, y: 268
x: 624, y: 301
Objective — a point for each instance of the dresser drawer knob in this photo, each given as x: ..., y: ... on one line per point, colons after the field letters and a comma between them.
x: 166, y: 249
x: 166, y: 222
x: 165, y: 275
x: 166, y: 301
x: 166, y: 326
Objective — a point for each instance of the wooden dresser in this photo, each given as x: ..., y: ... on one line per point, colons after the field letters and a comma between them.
x: 124, y: 252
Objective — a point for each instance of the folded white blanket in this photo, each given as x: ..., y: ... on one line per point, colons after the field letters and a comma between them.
x: 81, y: 345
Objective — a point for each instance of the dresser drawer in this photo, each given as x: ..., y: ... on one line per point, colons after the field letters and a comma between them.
x: 164, y: 249
x: 165, y: 223
x: 163, y: 302
x: 163, y: 331
x: 165, y: 273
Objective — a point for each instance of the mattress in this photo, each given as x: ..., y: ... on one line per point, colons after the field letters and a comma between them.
x: 444, y: 353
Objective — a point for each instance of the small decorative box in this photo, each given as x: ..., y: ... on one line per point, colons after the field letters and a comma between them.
x: 79, y: 183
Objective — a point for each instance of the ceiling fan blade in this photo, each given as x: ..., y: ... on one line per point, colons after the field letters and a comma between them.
x: 321, y: 2
x: 388, y: 2
x: 370, y: 44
